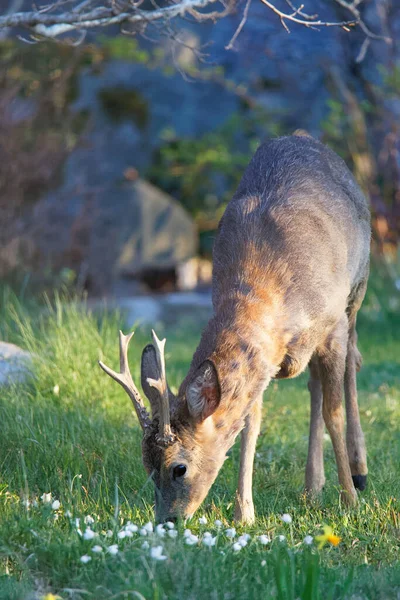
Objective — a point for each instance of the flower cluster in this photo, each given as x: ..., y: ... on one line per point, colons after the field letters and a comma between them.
x: 156, y: 542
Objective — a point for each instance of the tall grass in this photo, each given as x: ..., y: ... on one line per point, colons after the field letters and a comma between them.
x: 70, y: 431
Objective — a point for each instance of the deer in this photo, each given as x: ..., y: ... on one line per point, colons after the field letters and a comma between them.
x: 290, y: 271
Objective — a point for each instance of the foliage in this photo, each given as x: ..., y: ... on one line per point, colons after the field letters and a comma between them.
x: 37, y: 131
x: 362, y: 128
x: 204, y: 172
x: 71, y: 431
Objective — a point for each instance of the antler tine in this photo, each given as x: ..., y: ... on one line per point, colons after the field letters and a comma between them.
x: 124, y: 378
x: 165, y: 437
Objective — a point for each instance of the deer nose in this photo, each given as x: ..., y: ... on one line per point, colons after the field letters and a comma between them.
x: 171, y: 519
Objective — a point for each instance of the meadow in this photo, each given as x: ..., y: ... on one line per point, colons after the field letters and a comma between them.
x: 76, y: 504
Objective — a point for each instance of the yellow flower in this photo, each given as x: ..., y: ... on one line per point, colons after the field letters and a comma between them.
x: 51, y: 597
x: 327, y: 537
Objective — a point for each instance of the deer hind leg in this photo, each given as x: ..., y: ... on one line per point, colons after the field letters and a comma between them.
x: 315, y: 474
x: 244, y: 509
x: 332, y: 365
x: 354, y: 437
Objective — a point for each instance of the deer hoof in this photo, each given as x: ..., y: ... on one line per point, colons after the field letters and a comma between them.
x: 244, y: 513
x: 349, y: 498
x: 360, y: 482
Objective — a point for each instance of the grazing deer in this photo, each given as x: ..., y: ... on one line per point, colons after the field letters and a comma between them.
x: 291, y: 262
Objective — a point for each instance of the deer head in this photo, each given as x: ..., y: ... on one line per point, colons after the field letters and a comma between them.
x: 182, y: 450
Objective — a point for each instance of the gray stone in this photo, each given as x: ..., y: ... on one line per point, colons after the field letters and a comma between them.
x: 15, y: 364
x: 165, y: 308
x: 117, y: 231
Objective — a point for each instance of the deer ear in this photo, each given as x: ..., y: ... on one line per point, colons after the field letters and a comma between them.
x: 203, y: 393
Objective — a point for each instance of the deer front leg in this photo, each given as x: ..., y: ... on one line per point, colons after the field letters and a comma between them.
x: 244, y: 509
x: 315, y: 474
x: 332, y: 362
x: 354, y: 436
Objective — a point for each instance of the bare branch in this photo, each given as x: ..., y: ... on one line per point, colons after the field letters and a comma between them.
x: 310, y: 21
x: 15, y: 6
x: 240, y: 27
x: 49, y: 21
x: 352, y: 7
x: 52, y: 25
x: 299, y: 11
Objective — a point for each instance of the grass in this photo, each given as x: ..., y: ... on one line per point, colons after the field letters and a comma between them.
x: 71, y: 431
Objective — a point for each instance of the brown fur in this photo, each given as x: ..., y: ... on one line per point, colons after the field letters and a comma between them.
x: 290, y: 270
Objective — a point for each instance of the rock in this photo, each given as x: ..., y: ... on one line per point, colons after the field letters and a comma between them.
x: 169, y: 309
x: 121, y: 230
x: 15, y: 364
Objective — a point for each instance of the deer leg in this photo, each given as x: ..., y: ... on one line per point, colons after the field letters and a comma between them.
x: 315, y: 475
x: 354, y: 436
x: 332, y: 364
x: 244, y: 509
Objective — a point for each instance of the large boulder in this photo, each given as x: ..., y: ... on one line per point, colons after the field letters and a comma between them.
x: 15, y: 364
x: 121, y: 230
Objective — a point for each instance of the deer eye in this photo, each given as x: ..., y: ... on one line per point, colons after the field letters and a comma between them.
x: 178, y: 471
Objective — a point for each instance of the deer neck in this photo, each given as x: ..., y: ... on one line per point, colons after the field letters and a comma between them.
x: 246, y: 356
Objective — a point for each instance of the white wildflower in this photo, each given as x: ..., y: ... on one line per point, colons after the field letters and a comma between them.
x: 230, y: 533
x: 46, y: 498
x: 26, y: 502
x: 89, y: 534
x: 89, y: 520
x: 242, y: 541
x: 121, y: 534
x: 77, y: 523
x: 148, y: 527
x: 237, y: 547
x: 187, y: 533
x: 263, y: 563
x: 128, y: 533
x: 68, y: 514
x: 191, y: 540
x: 207, y: 534
x: 264, y: 539
x: 109, y: 533
x: 85, y: 559
x: 170, y: 525
x: 203, y: 520
x: 172, y: 533
x: 308, y: 540
x: 218, y: 523
x: 281, y: 538
x: 157, y: 553
x: 145, y: 545
x: 131, y: 527
x: 209, y: 540
x: 143, y: 532
x: 160, y: 531
x: 97, y: 549
x: 286, y: 518
x: 113, y: 549
x: 56, y: 389
x: 56, y: 505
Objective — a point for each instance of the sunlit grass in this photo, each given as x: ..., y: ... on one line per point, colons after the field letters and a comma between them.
x: 71, y: 432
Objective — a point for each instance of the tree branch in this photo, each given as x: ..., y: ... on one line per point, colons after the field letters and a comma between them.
x: 352, y: 7
x: 306, y: 20
x: 51, y: 25
x: 49, y: 22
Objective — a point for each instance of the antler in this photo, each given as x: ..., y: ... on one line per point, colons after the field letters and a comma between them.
x: 124, y: 378
x: 165, y: 436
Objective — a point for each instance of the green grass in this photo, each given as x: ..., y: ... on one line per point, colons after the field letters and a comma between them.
x: 80, y: 441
